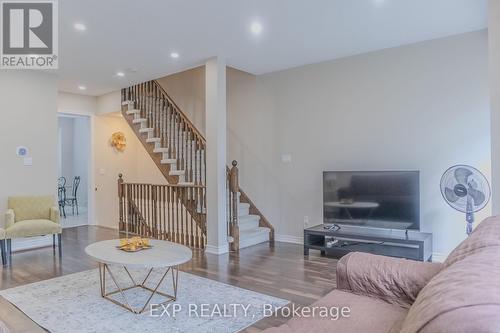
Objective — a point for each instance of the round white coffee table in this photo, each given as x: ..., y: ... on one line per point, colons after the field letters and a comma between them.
x: 163, y: 255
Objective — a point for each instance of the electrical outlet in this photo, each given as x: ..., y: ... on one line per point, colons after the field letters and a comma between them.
x: 306, y: 221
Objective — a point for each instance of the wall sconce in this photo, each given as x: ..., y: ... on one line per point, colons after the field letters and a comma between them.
x: 118, y: 141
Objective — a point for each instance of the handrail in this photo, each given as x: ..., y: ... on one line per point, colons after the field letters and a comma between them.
x: 183, y: 115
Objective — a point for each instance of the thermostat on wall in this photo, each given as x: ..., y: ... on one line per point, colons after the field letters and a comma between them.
x: 22, y: 151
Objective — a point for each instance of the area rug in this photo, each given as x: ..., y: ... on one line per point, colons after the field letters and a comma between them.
x: 72, y: 303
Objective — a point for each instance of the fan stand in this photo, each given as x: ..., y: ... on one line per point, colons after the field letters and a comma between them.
x: 469, y: 216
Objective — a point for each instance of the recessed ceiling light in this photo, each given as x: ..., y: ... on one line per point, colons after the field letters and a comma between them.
x: 82, y: 87
x: 174, y: 55
x: 256, y: 28
x: 120, y: 74
x: 80, y: 26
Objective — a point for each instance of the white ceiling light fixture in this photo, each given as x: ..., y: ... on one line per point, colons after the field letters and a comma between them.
x: 174, y: 55
x: 256, y: 28
x: 79, y: 26
x: 120, y: 74
x: 82, y: 87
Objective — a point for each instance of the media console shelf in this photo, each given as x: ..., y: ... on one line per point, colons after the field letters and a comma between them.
x: 395, y: 243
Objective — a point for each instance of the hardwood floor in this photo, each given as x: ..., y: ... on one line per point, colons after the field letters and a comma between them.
x: 280, y: 271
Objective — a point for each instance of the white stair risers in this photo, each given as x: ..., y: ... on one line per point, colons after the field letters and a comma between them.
x: 254, y: 237
x: 146, y: 130
x: 133, y: 111
x: 168, y: 161
x: 139, y: 120
x: 151, y: 140
x: 243, y: 209
x: 248, y: 222
x: 160, y: 150
x: 177, y: 172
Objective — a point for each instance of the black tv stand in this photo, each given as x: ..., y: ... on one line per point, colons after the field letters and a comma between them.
x: 337, y: 242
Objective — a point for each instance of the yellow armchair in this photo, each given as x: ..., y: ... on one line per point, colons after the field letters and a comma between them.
x: 31, y: 216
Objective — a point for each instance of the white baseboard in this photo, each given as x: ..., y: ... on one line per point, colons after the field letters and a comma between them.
x: 218, y: 250
x: 289, y: 239
x: 31, y: 243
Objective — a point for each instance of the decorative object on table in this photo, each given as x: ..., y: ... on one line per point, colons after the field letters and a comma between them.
x: 73, y: 200
x: 118, y: 141
x: 134, y: 244
x: 347, y: 201
x: 22, y: 151
x: 465, y: 189
x: 32, y: 216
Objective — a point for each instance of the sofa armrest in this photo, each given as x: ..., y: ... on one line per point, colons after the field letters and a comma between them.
x: 9, y: 218
x: 54, y: 214
x: 394, y: 280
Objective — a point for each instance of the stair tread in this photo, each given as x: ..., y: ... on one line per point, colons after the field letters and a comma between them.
x: 133, y: 111
x: 147, y: 129
x: 254, y: 232
x: 177, y: 172
x: 168, y: 161
x: 249, y: 217
x: 160, y: 150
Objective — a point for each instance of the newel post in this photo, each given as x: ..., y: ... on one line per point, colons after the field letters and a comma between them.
x: 120, y: 202
x: 234, y: 188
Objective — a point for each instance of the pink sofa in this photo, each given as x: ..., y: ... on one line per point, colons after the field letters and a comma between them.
x: 461, y: 295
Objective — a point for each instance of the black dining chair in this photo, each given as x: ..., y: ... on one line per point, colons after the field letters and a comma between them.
x: 61, y: 196
x: 73, y: 200
x: 61, y: 182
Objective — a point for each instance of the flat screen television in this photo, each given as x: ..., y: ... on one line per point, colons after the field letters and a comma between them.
x: 377, y: 199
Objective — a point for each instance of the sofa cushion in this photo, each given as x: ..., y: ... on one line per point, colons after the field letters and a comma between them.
x: 31, y: 208
x: 461, y: 298
x: 29, y: 228
x: 366, y: 315
x: 485, y: 235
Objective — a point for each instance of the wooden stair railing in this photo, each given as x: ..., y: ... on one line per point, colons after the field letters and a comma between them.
x: 235, y: 196
x: 163, y: 212
x: 178, y: 149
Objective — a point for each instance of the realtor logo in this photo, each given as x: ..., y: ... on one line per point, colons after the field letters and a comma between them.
x: 29, y: 34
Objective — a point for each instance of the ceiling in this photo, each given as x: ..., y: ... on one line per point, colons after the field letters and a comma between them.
x: 137, y: 37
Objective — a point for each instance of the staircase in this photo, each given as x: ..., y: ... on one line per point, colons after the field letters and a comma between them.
x: 179, y: 151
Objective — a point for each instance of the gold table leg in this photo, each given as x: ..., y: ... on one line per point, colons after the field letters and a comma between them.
x: 169, y: 298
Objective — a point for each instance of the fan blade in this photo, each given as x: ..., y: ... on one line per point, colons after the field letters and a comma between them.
x: 450, y: 195
x: 462, y: 174
x: 476, y: 195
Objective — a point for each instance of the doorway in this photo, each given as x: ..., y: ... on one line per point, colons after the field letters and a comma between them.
x: 73, y: 169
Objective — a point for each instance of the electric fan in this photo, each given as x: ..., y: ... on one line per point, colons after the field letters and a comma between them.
x: 465, y: 189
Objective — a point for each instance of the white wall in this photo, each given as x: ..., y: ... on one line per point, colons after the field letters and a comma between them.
x: 494, y: 48
x: 28, y: 104
x: 423, y: 107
